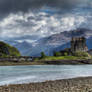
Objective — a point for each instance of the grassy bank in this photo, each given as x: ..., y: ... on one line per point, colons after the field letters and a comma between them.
x: 50, y: 60
x: 7, y: 63
x: 62, y: 58
x: 65, y: 85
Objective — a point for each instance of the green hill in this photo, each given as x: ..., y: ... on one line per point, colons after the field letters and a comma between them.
x: 7, y: 50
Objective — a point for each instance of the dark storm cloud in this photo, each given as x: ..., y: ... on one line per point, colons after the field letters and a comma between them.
x: 7, y: 6
x: 43, y: 22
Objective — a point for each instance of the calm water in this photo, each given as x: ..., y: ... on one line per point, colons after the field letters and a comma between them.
x: 26, y: 74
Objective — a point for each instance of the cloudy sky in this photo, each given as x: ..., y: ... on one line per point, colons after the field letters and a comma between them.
x: 43, y: 17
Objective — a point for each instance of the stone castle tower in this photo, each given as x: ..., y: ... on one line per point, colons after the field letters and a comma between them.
x: 78, y: 44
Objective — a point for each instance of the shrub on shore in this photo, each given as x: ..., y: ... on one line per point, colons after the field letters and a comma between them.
x: 43, y: 55
x: 65, y: 54
x: 81, y: 54
x: 57, y: 54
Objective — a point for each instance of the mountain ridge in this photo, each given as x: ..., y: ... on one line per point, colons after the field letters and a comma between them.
x: 54, y: 42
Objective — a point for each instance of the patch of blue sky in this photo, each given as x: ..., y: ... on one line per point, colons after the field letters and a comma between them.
x: 51, y: 12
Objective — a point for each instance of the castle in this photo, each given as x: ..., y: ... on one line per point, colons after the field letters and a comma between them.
x: 78, y: 44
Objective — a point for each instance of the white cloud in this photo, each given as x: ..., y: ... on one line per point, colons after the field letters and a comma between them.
x: 43, y: 24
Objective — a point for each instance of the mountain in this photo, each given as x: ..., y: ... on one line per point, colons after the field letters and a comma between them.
x: 23, y: 43
x: 49, y: 44
x: 11, y: 42
x: 60, y: 41
x: 24, y: 47
x: 64, y: 37
x: 7, y: 50
x: 26, y: 37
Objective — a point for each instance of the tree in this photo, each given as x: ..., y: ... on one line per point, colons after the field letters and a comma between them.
x: 65, y: 54
x: 43, y: 55
x: 57, y: 54
x: 81, y: 54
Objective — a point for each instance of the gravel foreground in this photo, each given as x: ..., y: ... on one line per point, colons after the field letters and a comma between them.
x: 65, y: 85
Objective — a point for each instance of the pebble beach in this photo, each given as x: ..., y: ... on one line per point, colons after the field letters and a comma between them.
x: 65, y: 85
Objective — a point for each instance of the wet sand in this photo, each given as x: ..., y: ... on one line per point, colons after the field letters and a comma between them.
x: 65, y: 85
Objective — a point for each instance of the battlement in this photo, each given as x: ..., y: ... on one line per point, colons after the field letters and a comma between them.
x: 78, y: 44
x: 78, y: 39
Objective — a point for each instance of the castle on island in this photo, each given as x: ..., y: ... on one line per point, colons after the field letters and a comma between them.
x: 78, y: 44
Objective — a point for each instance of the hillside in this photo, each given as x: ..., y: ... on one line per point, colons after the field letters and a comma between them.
x: 7, y: 50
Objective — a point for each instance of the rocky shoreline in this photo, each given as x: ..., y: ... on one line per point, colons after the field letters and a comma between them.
x: 65, y: 85
x: 50, y: 62
x: 67, y: 62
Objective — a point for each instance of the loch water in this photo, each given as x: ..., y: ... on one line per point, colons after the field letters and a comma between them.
x: 40, y: 73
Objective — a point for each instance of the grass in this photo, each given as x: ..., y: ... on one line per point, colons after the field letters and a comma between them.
x: 39, y: 61
x: 48, y: 58
x: 9, y: 63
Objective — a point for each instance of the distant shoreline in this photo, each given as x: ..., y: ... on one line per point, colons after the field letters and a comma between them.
x: 82, y: 84
x: 51, y: 62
